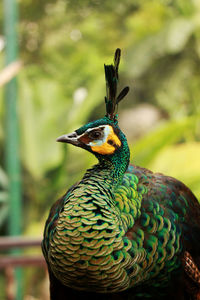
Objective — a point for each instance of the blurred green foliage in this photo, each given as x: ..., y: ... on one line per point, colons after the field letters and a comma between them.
x: 64, y: 45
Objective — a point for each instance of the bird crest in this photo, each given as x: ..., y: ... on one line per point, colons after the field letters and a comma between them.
x: 112, y: 78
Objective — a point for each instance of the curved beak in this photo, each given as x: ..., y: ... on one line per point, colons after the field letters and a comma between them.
x: 71, y: 138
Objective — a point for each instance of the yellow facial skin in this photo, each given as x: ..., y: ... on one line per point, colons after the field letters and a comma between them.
x: 107, y: 148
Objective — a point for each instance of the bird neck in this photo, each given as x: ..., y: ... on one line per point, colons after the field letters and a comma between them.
x: 115, y: 169
x: 112, y: 168
x: 117, y: 163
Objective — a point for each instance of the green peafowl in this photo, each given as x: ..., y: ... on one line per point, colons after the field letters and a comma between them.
x: 121, y: 232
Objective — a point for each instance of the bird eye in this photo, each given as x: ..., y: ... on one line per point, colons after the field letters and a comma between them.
x: 110, y: 142
x: 95, y: 134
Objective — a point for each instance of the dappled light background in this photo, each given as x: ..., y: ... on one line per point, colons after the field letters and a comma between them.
x: 63, y: 46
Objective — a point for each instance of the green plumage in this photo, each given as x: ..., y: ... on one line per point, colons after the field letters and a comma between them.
x: 108, y: 240
x: 121, y: 228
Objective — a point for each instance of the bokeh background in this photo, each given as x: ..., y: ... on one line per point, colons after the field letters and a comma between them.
x: 63, y: 46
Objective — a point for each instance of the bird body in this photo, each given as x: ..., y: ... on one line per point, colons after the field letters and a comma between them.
x: 121, y: 229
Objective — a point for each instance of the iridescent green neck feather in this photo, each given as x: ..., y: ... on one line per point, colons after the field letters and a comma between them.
x: 117, y: 163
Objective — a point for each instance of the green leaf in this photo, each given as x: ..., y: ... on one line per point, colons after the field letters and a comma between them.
x: 3, y: 197
x: 182, y: 162
x: 3, y: 179
x: 147, y: 148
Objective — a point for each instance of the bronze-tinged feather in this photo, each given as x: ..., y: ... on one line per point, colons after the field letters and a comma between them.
x: 191, y: 268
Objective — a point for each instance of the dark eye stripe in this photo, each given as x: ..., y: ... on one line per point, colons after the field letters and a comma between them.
x: 85, y: 139
x: 95, y: 134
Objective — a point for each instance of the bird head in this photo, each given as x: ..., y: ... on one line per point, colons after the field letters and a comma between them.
x: 102, y: 137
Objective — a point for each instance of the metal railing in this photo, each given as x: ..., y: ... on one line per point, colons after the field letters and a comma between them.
x: 9, y: 260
